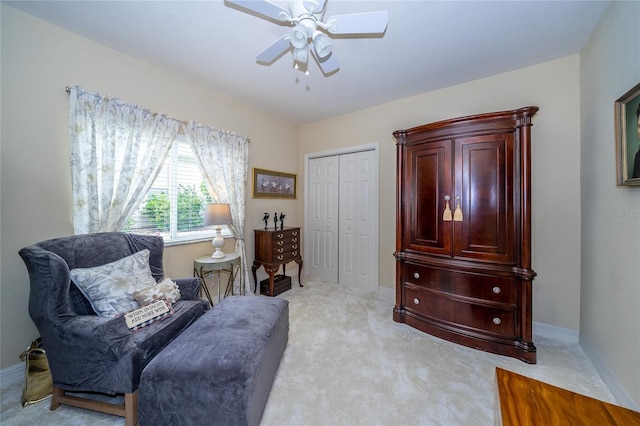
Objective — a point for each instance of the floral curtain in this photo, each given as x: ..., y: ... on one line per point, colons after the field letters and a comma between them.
x: 117, y: 150
x: 223, y: 159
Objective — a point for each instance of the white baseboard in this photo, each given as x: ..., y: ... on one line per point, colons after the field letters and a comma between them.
x: 11, y: 375
x: 566, y: 335
x: 617, y: 389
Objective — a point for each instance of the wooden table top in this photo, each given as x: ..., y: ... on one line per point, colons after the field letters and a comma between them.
x: 528, y: 402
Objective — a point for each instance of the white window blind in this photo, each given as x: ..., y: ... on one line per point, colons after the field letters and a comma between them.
x: 175, y: 204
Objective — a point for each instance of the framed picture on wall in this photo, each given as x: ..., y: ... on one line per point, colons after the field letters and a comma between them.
x: 271, y: 184
x: 627, y: 123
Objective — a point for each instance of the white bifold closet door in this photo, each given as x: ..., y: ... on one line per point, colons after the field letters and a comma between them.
x: 321, y: 254
x: 343, y: 219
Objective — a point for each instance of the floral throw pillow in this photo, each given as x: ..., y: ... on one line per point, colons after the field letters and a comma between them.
x: 165, y: 288
x: 110, y: 288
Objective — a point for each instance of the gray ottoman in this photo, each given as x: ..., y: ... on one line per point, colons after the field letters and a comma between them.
x: 220, y: 370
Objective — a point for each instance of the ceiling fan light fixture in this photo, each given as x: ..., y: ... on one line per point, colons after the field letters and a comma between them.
x: 301, y: 55
x: 307, y: 18
x: 322, y: 44
x: 299, y: 36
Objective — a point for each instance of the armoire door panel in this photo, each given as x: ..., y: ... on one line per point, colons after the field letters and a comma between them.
x: 429, y: 171
x: 484, y: 183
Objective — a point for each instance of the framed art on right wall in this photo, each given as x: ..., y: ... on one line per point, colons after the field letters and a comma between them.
x: 627, y: 123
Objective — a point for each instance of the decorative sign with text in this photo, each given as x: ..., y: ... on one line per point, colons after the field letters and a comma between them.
x: 148, y: 314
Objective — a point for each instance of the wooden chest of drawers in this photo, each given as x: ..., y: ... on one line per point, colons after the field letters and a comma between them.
x: 275, y: 248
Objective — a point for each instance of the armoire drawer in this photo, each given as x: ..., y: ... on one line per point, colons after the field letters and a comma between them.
x: 485, y: 287
x: 450, y: 311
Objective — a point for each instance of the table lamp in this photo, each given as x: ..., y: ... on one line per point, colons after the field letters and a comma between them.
x: 217, y: 214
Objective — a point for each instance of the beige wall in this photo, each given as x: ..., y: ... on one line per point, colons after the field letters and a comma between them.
x: 554, y: 87
x: 610, y: 298
x: 38, y: 61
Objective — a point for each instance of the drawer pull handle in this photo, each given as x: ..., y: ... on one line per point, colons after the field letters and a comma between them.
x: 497, y: 321
x: 496, y: 290
x: 280, y: 257
x: 416, y: 301
x: 280, y: 243
x: 294, y: 246
x: 295, y: 234
x: 279, y: 235
x: 416, y: 275
x: 280, y: 250
x: 294, y: 240
x: 295, y: 253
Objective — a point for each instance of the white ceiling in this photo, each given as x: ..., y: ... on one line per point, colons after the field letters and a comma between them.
x: 427, y: 45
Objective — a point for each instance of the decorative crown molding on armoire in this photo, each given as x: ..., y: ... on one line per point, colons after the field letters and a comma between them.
x: 463, y: 236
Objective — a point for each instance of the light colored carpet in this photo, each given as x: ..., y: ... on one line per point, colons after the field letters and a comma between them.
x: 348, y: 363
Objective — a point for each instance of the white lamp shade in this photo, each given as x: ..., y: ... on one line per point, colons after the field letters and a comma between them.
x: 301, y: 55
x: 299, y: 36
x: 217, y: 214
x: 322, y: 44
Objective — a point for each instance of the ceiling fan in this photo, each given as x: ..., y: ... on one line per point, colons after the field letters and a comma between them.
x: 310, y: 33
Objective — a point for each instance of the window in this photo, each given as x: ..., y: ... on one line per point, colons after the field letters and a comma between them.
x: 175, y: 204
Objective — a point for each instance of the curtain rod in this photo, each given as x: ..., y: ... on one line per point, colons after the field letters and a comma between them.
x: 68, y: 90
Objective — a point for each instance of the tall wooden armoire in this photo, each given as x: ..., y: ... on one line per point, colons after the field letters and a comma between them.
x: 463, y: 237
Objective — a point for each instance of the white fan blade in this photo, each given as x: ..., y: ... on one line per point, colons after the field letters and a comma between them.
x: 274, y: 51
x: 358, y: 23
x: 264, y: 8
x: 328, y: 65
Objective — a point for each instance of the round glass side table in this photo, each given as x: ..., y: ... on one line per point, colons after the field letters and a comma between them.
x: 205, y: 265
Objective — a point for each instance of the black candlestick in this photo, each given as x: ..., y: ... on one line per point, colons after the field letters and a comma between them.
x: 282, y: 215
x: 275, y: 220
x: 266, y: 220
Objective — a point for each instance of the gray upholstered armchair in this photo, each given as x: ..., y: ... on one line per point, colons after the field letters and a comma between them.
x: 87, y: 352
